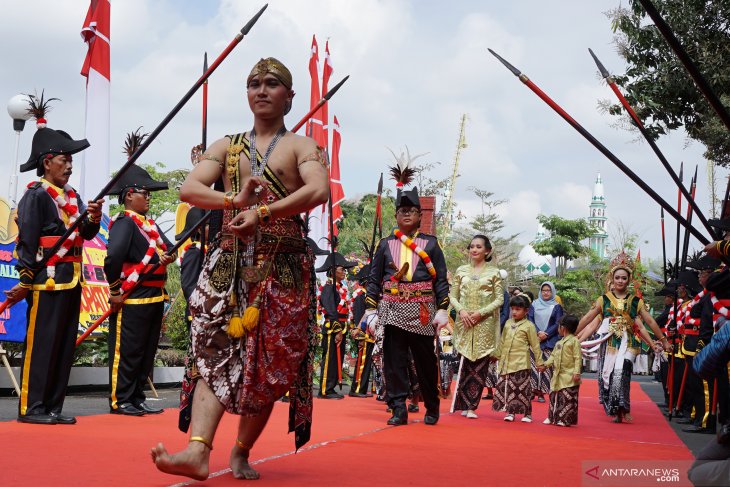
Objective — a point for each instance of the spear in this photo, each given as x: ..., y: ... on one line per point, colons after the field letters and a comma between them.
x: 204, y: 138
x: 690, y: 66
x: 670, y: 379
x: 647, y: 189
x: 685, y: 248
x: 378, y: 211
x: 149, y: 271
x: 153, y: 135
x: 320, y: 103
x: 612, y: 83
x: 664, y: 248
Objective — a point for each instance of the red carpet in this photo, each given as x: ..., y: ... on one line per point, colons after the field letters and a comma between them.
x: 350, y: 444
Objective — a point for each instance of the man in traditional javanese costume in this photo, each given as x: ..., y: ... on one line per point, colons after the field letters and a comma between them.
x: 53, y: 290
x: 336, y: 309
x: 409, y: 270
x: 254, y: 327
x: 359, y: 386
x: 135, y: 244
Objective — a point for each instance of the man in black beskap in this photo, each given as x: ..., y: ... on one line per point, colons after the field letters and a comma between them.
x: 409, y: 271
x: 135, y: 244
x: 53, y: 290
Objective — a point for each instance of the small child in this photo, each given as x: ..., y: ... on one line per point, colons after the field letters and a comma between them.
x: 566, y: 361
x: 513, y: 352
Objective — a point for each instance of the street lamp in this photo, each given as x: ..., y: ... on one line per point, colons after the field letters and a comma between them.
x: 18, y: 110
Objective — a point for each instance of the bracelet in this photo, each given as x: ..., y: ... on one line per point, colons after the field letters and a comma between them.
x: 228, y: 201
x: 264, y: 213
x: 93, y: 220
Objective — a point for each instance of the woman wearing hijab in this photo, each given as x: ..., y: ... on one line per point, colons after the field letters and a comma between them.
x: 545, y: 313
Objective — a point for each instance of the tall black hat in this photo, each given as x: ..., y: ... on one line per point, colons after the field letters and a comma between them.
x: 689, y: 280
x: 722, y: 224
x: 336, y: 259
x: 407, y: 198
x: 316, y: 250
x: 136, y: 177
x: 49, y: 141
x: 194, y: 216
x: 362, y: 274
x: 705, y: 262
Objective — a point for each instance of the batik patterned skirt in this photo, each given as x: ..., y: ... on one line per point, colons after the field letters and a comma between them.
x: 513, y: 393
x: 564, y: 406
x: 472, y: 381
x: 616, y: 394
x: 541, y: 380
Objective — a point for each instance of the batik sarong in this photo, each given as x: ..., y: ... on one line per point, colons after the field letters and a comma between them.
x: 513, y: 393
x: 564, y: 406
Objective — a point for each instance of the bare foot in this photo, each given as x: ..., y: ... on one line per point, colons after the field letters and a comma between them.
x: 240, y: 466
x: 191, y: 462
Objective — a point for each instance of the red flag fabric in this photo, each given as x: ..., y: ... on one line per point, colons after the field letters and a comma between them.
x: 336, y: 192
x: 96, y: 70
x: 314, y: 126
x: 326, y: 74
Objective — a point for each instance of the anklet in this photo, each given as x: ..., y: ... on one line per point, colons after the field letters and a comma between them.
x: 202, y: 440
x: 242, y: 445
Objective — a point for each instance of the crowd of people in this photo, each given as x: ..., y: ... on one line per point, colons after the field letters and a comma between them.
x: 257, y: 319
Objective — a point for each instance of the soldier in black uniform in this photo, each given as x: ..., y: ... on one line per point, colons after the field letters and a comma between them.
x: 409, y: 271
x: 135, y: 243
x: 192, y: 258
x: 53, y: 290
x: 366, y: 342
x: 699, y: 392
x: 336, y: 316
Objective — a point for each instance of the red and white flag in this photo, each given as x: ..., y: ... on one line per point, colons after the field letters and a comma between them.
x: 318, y: 217
x: 326, y: 75
x: 95, y: 160
x: 336, y: 192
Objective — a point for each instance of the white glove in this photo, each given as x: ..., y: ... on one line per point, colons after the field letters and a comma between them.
x: 369, y: 321
x: 441, y: 319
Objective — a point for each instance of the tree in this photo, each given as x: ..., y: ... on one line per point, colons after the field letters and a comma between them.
x: 656, y: 83
x: 564, y: 241
x: 356, y: 226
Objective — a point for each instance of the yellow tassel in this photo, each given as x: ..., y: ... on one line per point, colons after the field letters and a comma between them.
x: 235, y: 327
x: 251, y: 317
x: 50, y: 284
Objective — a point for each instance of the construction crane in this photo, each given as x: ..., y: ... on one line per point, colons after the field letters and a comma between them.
x: 461, y: 144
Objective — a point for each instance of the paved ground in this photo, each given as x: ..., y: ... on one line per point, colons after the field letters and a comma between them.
x: 85, y: 403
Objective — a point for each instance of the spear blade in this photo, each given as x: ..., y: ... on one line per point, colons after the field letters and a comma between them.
x: 601, y: 67
x: 247, y: 27
x: 334, y: 89
x: 514, y: 70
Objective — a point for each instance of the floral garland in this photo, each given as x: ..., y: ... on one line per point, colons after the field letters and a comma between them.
x: 71, y: 208
x: 342, y: 307
x: 421, y: 253
x: 149, y: 229
x: 720, y: 309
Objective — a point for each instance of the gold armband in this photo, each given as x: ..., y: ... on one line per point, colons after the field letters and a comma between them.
x: 213, y: 158
x: 228, y: 201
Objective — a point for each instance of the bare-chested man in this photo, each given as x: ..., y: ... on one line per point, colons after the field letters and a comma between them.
x: 260, y: 260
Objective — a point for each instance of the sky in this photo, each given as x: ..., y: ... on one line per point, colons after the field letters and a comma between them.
x: 415, y: 67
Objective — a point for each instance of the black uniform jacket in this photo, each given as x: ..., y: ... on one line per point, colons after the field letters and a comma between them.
x: 127, y: 246
x: 38, y: 218
x: 384, y: 267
